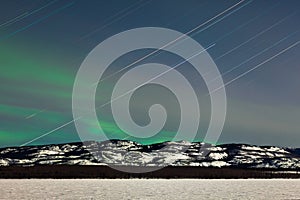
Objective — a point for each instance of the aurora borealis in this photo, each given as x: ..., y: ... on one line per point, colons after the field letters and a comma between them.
x: 42, y: 49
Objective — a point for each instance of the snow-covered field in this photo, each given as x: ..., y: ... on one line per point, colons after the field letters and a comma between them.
x: 149, y: 189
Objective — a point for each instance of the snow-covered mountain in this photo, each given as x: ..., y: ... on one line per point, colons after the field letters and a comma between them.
x: 119, y: 152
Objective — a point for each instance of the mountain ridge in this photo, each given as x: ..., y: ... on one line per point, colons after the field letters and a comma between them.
x: 129, y: 153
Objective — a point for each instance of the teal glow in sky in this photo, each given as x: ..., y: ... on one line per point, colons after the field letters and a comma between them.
x: 42, y: 44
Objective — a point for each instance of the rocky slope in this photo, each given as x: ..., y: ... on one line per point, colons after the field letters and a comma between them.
x: 117, y: 152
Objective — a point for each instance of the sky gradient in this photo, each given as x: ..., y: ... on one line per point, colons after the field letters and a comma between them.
x: 43, y: 43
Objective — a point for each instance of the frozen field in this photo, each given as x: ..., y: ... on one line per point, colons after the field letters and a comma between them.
x: 149, y: 189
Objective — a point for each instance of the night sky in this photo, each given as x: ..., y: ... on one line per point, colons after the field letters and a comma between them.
x: 43, y: 43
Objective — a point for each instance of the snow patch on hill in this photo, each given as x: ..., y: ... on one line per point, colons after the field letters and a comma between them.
x: 118, y: 152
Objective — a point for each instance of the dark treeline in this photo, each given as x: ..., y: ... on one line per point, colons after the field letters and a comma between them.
x: 67, y: 171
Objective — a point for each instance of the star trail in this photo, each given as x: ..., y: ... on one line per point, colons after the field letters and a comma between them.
x: 255, y: 45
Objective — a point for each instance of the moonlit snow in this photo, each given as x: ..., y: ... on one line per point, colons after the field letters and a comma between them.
x: 149, y: 189
x: 131, y: 153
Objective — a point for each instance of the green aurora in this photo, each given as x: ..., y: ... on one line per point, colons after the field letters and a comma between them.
x: 41, y: 52
x: 36, y: 81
